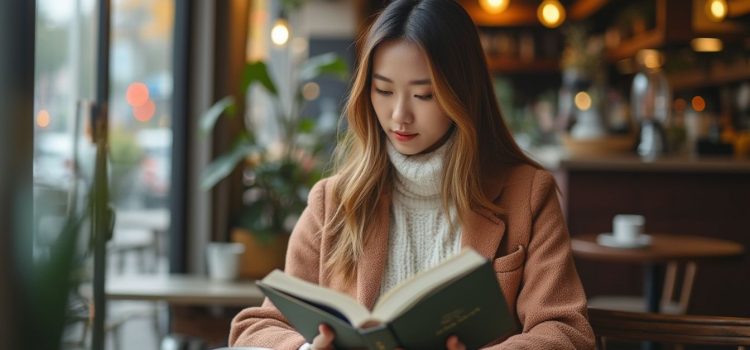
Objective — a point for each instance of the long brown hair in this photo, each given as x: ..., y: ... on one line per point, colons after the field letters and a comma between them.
x: 462, y: 86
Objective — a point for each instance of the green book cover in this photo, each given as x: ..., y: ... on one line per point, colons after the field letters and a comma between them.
x: 460, y: 296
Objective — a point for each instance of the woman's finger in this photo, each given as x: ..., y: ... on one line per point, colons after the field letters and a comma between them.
x: 324, y: 339
x: 454, y: 344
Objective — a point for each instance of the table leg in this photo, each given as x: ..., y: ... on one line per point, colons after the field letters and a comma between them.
x: 652, y: 288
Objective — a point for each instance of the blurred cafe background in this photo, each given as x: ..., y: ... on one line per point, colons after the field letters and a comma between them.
x: 155, y: 154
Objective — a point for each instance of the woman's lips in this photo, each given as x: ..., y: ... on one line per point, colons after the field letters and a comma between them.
x: 403, y: 137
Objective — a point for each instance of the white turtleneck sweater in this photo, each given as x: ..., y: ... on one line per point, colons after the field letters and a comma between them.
x: 420, y: 233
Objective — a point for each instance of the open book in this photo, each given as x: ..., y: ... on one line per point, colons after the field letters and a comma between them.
x: 459, y: 296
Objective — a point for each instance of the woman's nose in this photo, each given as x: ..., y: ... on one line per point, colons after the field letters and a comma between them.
x: 402, y: 113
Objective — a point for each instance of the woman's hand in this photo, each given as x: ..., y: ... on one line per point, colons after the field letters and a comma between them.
x: 324, y: 339
x: 454, y: 344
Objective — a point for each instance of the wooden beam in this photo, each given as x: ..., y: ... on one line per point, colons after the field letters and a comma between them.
x: 738, y: 8
x: 583, y: 9
x: 517, y: 14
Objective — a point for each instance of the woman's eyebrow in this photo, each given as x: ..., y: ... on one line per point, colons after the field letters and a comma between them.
x: 413, y: 82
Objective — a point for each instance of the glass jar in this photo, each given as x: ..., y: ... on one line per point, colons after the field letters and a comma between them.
x: 650, y: 99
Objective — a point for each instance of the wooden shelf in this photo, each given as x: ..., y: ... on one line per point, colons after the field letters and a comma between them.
x: 629, y: 47
x: 673, y: 25
x: 718, y: 74
x: 583, y: 9
x: 507, y: 65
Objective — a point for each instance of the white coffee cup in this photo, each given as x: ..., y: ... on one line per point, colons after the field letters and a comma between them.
x: 223, y: 260
x: 627, y: 227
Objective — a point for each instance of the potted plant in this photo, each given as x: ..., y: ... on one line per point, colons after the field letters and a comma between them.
x: 278, y: 176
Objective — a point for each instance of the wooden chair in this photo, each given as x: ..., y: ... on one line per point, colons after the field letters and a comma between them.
x: 673, y: 301
x: 670, y: 329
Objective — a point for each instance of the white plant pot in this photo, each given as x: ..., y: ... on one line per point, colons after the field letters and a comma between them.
x: 223, y: 260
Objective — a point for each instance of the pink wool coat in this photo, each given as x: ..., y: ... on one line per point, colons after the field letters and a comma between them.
x: 529, y: 245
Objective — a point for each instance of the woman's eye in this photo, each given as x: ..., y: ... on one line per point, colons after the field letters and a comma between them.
x: 383, y: 92
x: 424, y: 97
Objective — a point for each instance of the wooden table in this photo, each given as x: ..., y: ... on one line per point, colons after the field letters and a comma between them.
x: 663, y: 248
x: 183, y: 289
x: 176, y: 290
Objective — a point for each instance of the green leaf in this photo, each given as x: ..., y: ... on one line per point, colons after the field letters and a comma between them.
x: 292, y: 5
x: 208, y: 120
x: 51, y: 284
x: 257, y: 72
x: 222, y: 166
x: 325, y: 64
x: 306, y: 125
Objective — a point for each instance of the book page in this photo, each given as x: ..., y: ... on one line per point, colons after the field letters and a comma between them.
x: 409, y: 292
x: 310, y: 292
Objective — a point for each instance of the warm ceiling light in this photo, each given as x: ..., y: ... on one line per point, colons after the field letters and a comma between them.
x: 706, y: 45
x: 494, y: 7
x: 280, y: 32
x: 551, y: 13
x: 716, y: 10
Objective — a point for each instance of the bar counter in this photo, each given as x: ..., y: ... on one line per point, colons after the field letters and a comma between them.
x: 664, y: 164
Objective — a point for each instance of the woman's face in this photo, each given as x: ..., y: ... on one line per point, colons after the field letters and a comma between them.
x: 402, y: 95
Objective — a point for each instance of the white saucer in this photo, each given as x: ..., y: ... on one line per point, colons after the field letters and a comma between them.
x: 609, y: 240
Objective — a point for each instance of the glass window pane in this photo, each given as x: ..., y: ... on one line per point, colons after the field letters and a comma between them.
x: 140, y: 132
x: 140, y: 138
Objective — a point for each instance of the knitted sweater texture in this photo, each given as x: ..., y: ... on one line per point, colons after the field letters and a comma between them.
x: 420, y: 234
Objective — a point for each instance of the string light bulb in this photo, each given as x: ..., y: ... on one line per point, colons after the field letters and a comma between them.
x: 716, y: 10
x: 551, y: 13
x: 280, y: 32
x: 494, y: 7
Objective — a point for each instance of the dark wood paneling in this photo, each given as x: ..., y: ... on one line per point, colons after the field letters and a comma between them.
x: 703, y: 204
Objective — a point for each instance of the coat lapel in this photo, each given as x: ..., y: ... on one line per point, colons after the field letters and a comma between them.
x: 483, y: 229
x: 375, y: 255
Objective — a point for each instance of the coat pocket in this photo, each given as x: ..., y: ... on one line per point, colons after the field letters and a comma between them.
x: 509, y: 273
x: 510, y: 262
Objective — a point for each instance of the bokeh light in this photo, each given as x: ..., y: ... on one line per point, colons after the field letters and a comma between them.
x: 311, y: 91
x: 43, y: 118
x: 280, y: 32
x: 698, y: 103
x: 494, y: 7
x: 551, y: 13
x: 137, y: 94
x: 583, y: 101
x: 144, y: 112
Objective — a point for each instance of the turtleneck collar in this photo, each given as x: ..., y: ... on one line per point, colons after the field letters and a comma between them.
x: 419, y: 177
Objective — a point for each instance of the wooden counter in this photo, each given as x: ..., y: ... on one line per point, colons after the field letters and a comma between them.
x: 707, y: 197
x: 666, y: 164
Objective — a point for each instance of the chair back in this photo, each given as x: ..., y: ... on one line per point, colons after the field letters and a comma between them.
x: 672, y: 302
x: 671, y: 329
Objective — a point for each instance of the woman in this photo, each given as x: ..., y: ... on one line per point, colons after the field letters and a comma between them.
x: 428, y: 167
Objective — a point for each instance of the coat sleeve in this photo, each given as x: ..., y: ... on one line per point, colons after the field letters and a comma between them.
x: 551, y: 304
x: 265, y: 326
